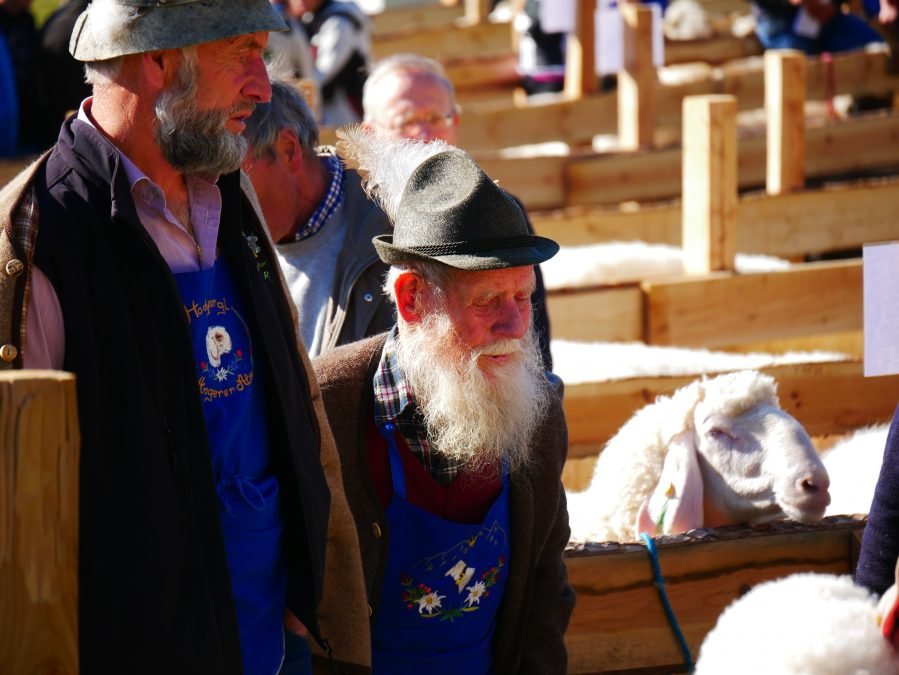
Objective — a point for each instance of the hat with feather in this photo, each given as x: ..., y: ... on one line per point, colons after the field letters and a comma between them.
x: 442, y: 205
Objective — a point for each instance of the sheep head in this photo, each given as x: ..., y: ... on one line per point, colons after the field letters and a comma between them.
x: 737, y: 457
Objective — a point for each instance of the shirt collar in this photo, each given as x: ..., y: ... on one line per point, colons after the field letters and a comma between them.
x: 329, y: 204
x: 392, y: 392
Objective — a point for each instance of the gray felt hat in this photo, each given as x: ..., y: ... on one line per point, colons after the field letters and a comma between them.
x: 451, y: 212
x: 166, y: 24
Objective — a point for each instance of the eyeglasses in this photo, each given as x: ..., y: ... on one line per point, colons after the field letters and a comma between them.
x: 411, y: 124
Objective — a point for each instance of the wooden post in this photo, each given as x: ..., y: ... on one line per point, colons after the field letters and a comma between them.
x: 477, y: 11
x: 709, y: 183
x: 580, y: 53
x: 39, y: 454
x: 636, y: 81
x: 785, y: 112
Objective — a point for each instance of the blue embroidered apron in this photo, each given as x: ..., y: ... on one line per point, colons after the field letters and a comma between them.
x: 234, y: 407
x: 442, y: 588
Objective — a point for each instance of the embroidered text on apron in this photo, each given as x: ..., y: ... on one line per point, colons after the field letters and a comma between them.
x: 442, y: 587
x: 234, y: 407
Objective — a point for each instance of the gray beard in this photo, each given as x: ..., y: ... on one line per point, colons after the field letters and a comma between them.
x: 193, y: 141
x: 469, y: 417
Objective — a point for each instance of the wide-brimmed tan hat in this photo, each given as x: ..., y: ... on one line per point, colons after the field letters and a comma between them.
x: 166, y: 24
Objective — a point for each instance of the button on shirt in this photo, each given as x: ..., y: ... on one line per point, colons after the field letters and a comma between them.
x: 44, y: 324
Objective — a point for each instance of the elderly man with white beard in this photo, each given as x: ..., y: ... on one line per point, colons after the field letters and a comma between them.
x: 451, y: 439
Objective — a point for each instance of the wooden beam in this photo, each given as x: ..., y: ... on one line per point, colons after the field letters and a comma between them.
x: 714, y: 50
x: 538, y: 184
x: 709, y: 183
x: 723, y: 309
x: 637, y: 79
x: 827, y: 398
x: 785, y: 115
x: 566, y: 120
x: 580, y: 56
x: 619, y: 625
x: 415, y: 17
x: 853, y: 145
x: 609, y: 314
x: 39, y: 441
x: 477, y: 11
x: 816, y: 221
x: 448, y: 41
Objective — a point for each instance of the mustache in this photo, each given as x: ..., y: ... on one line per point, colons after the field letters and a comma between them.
x: 500, y: 348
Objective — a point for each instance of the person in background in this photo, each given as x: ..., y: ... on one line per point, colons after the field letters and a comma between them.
x: 214, y: 533
x: 9, y: 104
x: 410, y: 96
x: 63, y: 76
x: 340, y: 36
x: 21, y: 36
x: 322, y: 223
x: 811, y: 26
x: 451, y: 438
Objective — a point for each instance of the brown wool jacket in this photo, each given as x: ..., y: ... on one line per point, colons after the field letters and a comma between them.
x: 538, y: 599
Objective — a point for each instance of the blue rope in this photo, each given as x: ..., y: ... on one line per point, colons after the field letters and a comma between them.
x: 659, y: 583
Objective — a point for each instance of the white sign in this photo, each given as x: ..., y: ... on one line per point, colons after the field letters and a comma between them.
x: 557, y: 16
x: 881, y: 318
x: 609, y: 48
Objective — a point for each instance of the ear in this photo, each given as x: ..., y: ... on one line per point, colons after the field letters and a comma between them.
x: 408, y: 288
x: 288, y: 147
x: 159, y: 68
x: 675, y: 504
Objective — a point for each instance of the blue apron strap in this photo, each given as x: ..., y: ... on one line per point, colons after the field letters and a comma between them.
x: 397, y: 473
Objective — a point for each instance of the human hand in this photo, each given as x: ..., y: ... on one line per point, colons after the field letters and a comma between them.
x: 294, y: 625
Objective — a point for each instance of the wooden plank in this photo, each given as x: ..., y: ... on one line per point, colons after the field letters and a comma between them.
x: 716, y: 49
x: 580, y: 57
x: 636, y: 80
x: 447, y: 41
x: 477, y: 10
x: 721, y: 309
x: 538, y: 184
x: 853, y: 73
x: 793, y: 225
x: 827, y: 398
x: 39, y: 451
x: 609, y: 314
x: 492, y: 71
x: 415, y: 18
x: 785, y: 117
x: 853, y: 145
x: 619, y: 624
x: 709, y: 183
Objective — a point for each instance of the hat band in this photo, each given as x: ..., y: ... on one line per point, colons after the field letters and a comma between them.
x: 452, y: 248
x: 154, y: 3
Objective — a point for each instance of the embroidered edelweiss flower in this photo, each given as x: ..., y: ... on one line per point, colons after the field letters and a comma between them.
x: 429, y: 602
x: 475, y: 592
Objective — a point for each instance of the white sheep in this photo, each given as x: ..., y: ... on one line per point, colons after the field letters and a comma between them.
x: 577, y: 362
x: 718, y: 451
x: 804, y: 624
x: 617, y: 262
x: 854, y: 466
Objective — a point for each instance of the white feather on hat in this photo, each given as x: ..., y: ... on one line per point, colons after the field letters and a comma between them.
x: 384, y: 165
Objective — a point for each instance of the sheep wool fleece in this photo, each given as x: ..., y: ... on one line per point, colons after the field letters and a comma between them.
x: 153, y: 585
x: 538, y: 600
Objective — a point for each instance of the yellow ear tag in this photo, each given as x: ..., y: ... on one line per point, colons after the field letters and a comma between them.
x: 670, y: 492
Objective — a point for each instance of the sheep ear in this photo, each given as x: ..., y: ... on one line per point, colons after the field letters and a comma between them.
x: 675, y: 504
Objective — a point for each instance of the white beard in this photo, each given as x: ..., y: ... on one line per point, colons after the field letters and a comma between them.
x: 469, y: 416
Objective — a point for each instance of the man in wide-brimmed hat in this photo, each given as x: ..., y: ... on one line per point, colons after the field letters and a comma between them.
x: 133, y: 254
x: 452, y: 440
